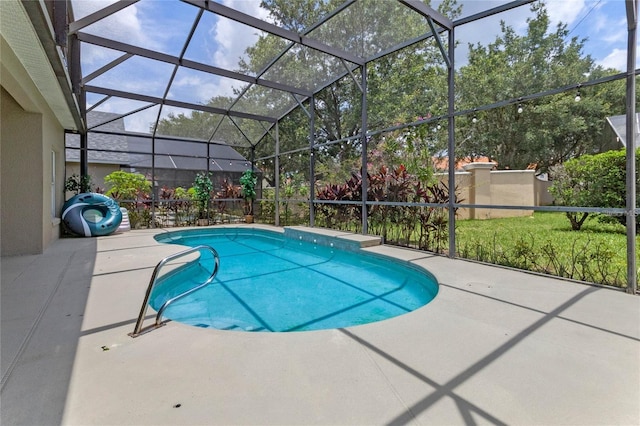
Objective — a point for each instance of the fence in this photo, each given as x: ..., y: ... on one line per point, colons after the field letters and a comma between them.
x: 480, y: 184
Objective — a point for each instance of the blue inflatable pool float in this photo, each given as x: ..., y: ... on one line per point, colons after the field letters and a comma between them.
x: 91, y: 215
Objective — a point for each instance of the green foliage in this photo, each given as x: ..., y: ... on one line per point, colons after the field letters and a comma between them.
x: 132, y: 190
x: 268, y: 206
x: 544, y: 243
x: 181, y: 194
x: 293, y: 189
x: 127, y: 185
x: 77, y: 184
x: 411, y: 83
x: 591, y: 181
x: 248, y: 182
x: 550, y: 130
x: 201, y: 192
x: 414, y: 226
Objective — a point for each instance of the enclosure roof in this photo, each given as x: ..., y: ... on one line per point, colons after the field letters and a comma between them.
x: 112, y: 146
x: 619, y: 125
x: 104, y: 148
x: 181, y: 63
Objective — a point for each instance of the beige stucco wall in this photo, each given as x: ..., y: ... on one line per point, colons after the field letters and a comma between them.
x: 22, y: 197
x: 482, y: 185
x: 29, y: 133
x: 543, y: 196
x: 512, y: 188
x: 97, y: 172
x: 463, y: 188
x: 53, y: 198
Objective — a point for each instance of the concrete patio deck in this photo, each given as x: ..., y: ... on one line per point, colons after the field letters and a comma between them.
x: 494, y: 347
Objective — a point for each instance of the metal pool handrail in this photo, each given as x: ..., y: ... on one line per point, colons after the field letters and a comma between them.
x: 138, y: 330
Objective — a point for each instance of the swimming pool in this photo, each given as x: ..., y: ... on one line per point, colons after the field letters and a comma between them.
x: 270, y: 283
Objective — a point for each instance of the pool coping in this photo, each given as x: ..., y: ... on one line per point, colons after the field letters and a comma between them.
x: 330, y: 237
x: 495, y: 346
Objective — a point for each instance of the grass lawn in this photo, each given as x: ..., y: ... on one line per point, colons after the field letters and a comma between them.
x: 545, y: 243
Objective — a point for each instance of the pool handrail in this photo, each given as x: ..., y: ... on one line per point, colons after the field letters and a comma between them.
x: 138, y: 330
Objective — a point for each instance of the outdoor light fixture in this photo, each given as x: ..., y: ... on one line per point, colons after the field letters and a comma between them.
x: 578, y: 97
x: 474, y: 120
x: 520, y: 109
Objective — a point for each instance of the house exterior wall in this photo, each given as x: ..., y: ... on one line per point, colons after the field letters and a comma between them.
x: 21, y: 201
x: 52, y: 173
x: 97, y: 172
x: 29, y: 134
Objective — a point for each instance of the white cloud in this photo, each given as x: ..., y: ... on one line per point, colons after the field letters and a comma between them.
x: 193, y: 88
x: 142, y: 121
x: 94, y: 57
x: 565, y: 11
x: 139, y: 122
x: 127, y: 25
x: 249, y: 7
x: 82, y: 8
x: 616, y: 33
x: 618, y: 59
x: 231, y: 38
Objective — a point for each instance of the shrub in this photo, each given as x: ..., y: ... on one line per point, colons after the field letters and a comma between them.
x: 591, y: 181
x: 415, y: 226
x: 201, y: 192
x: 132, y: 191
x: 127, y: 185
x: 78, y: 184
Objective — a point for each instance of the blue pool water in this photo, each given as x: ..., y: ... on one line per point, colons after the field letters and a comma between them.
x: 268, y: 282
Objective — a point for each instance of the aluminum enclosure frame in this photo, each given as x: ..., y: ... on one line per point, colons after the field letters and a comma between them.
x: 301, y: 95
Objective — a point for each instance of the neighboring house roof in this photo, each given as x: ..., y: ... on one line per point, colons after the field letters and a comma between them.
x: 115, y: 145
x: 442, y: 163
x: 618, y: 124
x: 185, y: 155
x: 135, y: 151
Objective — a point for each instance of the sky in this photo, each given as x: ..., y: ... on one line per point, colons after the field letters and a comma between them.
x: 163, y: 24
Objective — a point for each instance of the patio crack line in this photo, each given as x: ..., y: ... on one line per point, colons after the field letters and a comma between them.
x: 25, y: 268
x: 36, y: 323
x: 447, y: 388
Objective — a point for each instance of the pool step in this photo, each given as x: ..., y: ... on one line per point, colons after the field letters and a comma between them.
x: 332, y: 238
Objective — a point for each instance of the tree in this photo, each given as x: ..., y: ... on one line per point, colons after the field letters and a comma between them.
x: 549, y: 130
x: 592, y: 181
x: 201, y: 189
x: 401, y: 85
x: 127, y: 185
x: 248, y: 182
